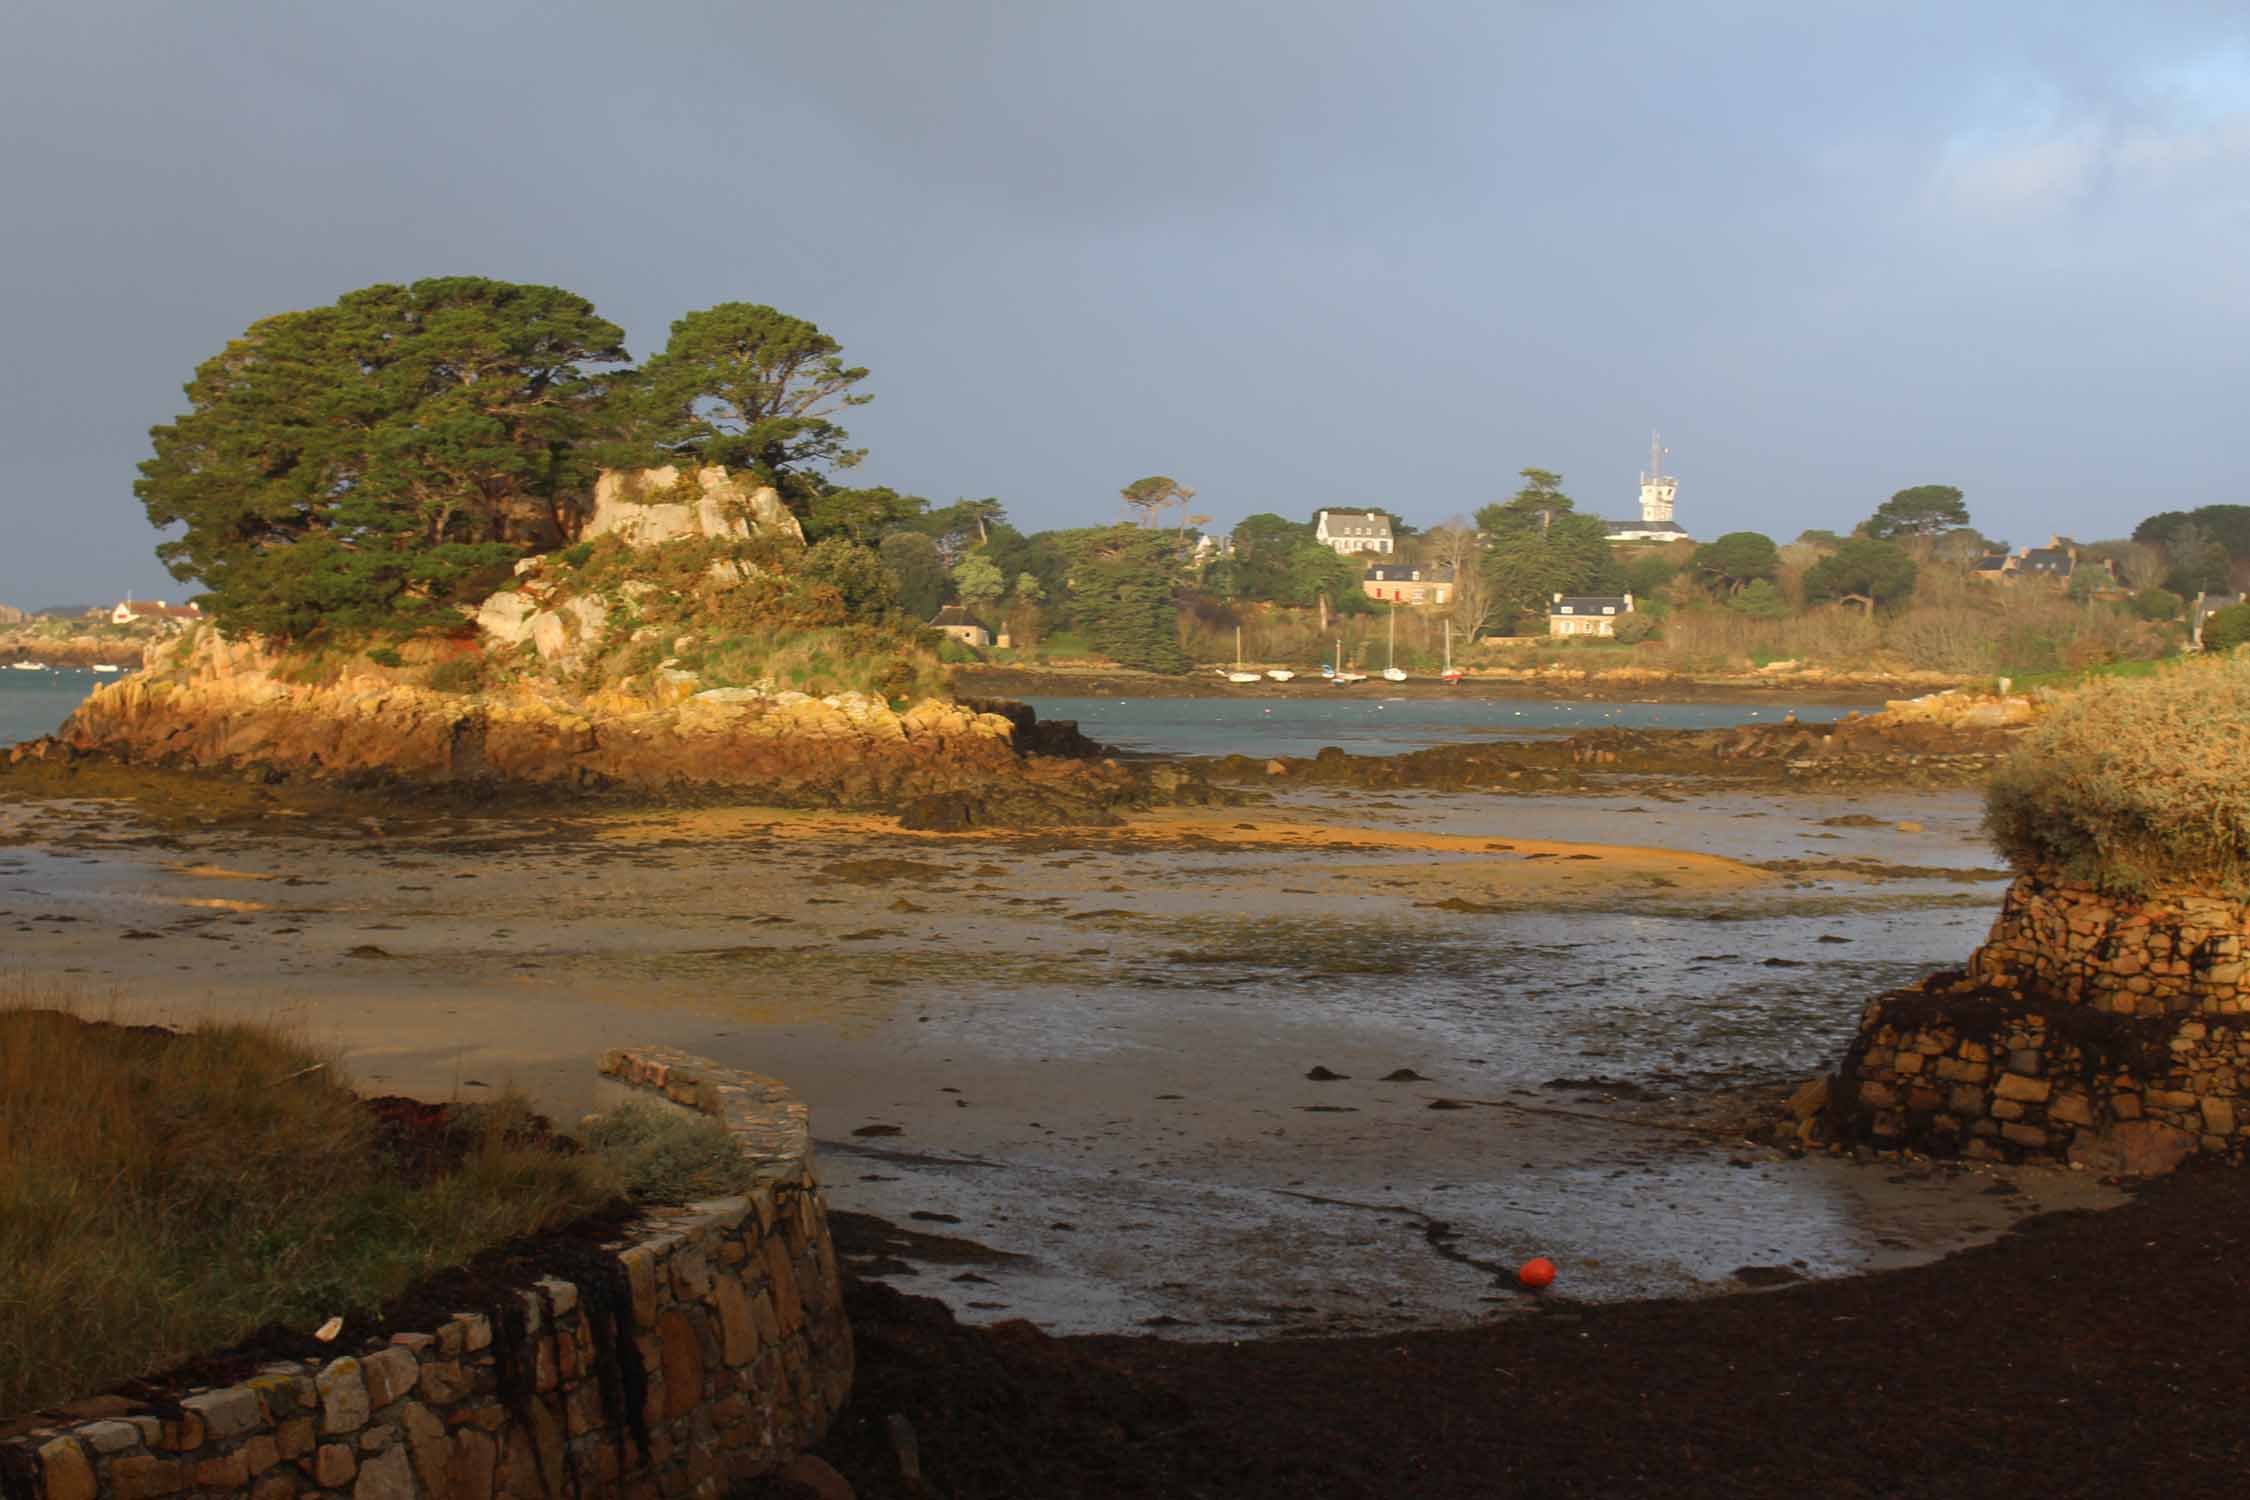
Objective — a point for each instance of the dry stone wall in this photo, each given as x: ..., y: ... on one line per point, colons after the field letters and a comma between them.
x: 708, y: 1348
x: 2086, y: 1029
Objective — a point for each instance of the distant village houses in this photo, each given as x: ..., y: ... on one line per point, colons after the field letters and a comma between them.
x: 1586, y: 614
x: 1402, y: 584
x: 1352, y: 531
x: 2057, y: 562
x: 10, y: 615
x: 129, y: 610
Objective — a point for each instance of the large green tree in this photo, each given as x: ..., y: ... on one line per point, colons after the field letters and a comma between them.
x: 1737, y: 559
x: 1537, y: 546
x: 369, y: 464
x: 1863, y: 571
x: 923, y: 581
x: 1125, y: 583
x: 743, y: 385
x: 1924, y: 510
x: 863, y: 516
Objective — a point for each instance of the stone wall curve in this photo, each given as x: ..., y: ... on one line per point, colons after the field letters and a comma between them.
x: 706, y: 1347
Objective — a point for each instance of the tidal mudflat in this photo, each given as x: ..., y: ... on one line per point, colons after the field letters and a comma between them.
x: 1088, y: 1071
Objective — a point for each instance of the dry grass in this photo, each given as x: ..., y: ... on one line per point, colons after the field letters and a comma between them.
x: 2133, y: 783
x: 161, y: 1195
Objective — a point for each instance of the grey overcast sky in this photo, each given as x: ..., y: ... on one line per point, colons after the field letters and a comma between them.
x: 1297, y: 252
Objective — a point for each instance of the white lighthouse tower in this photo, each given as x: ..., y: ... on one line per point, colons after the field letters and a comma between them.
x: 1657, y: 487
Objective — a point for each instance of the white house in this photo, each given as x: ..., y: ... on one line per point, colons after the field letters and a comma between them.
x: 958, y: 623
x: 1587, y: 614
x: 129, y: 610
x: 1402, y: 584
x: 1350, y: 531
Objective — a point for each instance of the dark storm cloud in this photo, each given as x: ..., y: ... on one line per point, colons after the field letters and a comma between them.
x: 1295, y: 253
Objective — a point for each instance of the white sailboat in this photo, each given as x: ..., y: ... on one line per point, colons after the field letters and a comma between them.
x: 1391, y: 673
x: 1339, y: 676
x: 1451, y: 676
x: 1238, y: 675
x: 29, y: 666
x: 103, y: 666
x: 1280, y: 674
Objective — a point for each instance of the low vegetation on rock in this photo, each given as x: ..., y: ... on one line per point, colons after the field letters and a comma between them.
x: 168, y: 1194
x: 2132, y: 784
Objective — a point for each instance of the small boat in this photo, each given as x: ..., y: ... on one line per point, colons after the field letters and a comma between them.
x: 1238, y: 675
x: 1391, y: 673
x: 29, y: 666
x: 1451, y: 676
x: 1280, y: 674
x: 103, y: 666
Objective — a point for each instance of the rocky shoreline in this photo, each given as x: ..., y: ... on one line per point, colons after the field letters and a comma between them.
x: 1796, y: 682
x: 238, y: 709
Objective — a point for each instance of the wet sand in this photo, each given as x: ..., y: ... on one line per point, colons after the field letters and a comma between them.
x: 1087, y: 1052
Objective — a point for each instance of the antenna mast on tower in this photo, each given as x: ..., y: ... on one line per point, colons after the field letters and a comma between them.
x: 1655, y: 458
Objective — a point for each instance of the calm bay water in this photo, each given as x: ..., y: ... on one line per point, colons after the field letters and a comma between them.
x: 34, y: 703
x: 1369, y: 725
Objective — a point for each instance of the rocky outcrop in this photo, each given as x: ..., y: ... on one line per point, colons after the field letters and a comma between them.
x: 2108, y: 1033
x: 209, y: 704
x: 646, y: 507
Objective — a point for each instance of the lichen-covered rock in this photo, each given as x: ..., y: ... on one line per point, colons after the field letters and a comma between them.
x: 727, y: 505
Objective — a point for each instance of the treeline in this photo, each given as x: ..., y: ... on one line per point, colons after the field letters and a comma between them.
x: 377, y: 463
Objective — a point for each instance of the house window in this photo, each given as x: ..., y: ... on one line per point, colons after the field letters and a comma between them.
x: 1609, y: 609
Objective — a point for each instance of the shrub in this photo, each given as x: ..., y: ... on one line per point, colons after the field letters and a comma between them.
x: 666, y: 1155
x: 384, y: 656
x: 2225, y: 629
x: 2134, y: 783
x: 1635, y: 627
x: 2157, y: 604
x: 460, y: 674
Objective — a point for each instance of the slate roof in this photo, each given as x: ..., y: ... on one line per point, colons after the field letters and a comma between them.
x: 954, y: 614
x: 1407, y: 573
x: 1672, y: 528
x: 1359, y: 523
x: 1590, y: 604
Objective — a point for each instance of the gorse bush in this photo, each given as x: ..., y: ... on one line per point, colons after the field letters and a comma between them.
x: 666, y: 1155
x: 2135, y: 783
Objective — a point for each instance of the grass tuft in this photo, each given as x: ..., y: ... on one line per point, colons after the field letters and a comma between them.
x: 162, y: 1195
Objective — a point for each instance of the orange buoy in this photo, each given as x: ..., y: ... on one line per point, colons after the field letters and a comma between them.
x: 1537, y: 1272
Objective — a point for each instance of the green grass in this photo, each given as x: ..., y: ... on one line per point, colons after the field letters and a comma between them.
x: 2134, y: 782
x: 162, y: 1195
x: 2024, y: 682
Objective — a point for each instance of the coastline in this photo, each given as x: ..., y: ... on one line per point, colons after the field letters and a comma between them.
x: 1628, y: 684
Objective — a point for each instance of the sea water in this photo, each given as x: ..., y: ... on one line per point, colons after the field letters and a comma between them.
x: 1367, y: 724
x: 36, y: 703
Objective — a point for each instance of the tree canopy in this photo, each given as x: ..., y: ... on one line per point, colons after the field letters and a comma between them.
x: 1863, y: 571
x: 1126, y: 581
x: 1536, y: 503
x: 743, y: 385
x: 370, y: 463
x: 1737, y: 559
x: 1924, y: 510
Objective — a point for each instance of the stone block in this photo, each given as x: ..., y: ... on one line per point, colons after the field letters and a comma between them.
x: 261, y: 1453
x: 227, y: 1413
x: 561, y: 1295
x: 111, y: 1437
x: 476, y: 1331
x: 444, y: 1381
x: 1966, y: 1101
x: 1954, y: 1070
x: 1906, y: 1064
x: 281, y: 1486
x: 2025, y: 1135
x: 2005, y: 1109
x: 680, y: 1362
x: 738, y: 1334
x: 390, y: 1374
x: 2013, y: 1085
x: 2126, y: 1106
x: 2218, y: 1116
x: 378, y: 1439
x: 387, y: 1476
x: 343, y: 1396
x: 426, y: 1446
x: 469, y: 1471
x: 2071, y: 1109
x: 1876, y: 1095
x: 640, y: 1276
x: 2023, y: 1060
x: 64, y: 1473
x: 137, y: 1476
x: 228, y: 1471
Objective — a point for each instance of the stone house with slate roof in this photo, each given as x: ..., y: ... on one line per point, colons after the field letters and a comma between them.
x: 2204, y: 607
x: 1402, y: 583
x: 958, y: 623
x: 1350, y: 531
x: 1574, y: 615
